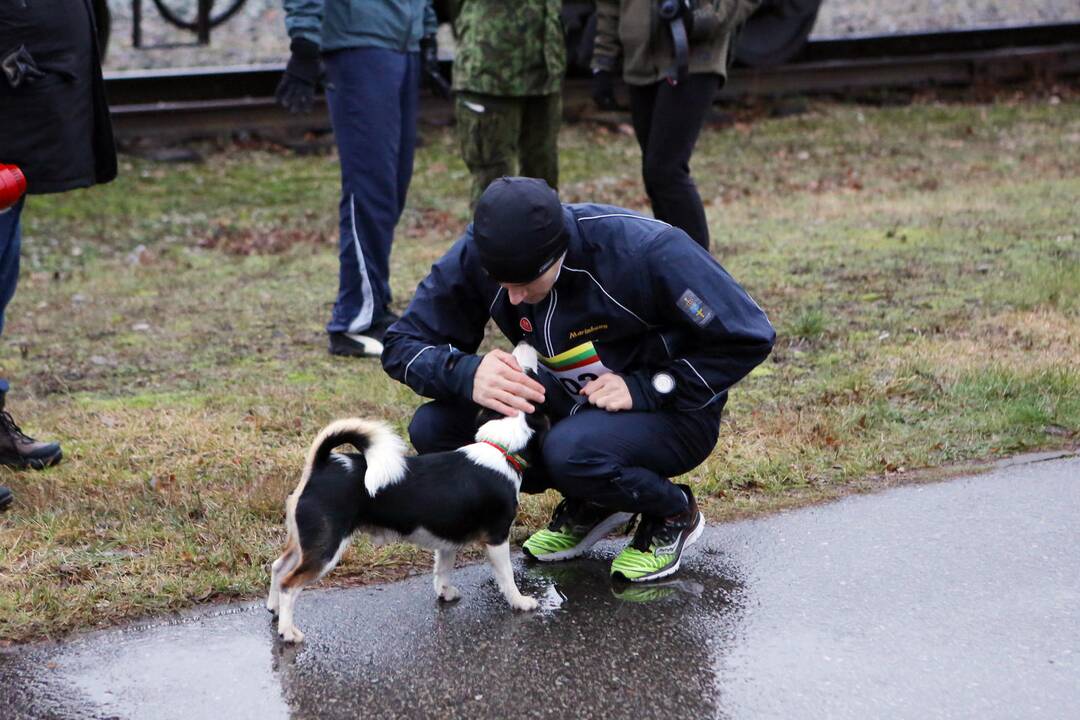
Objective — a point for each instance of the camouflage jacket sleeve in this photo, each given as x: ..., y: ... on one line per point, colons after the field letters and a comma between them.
x: 509, y: 48
x: 606, y: 49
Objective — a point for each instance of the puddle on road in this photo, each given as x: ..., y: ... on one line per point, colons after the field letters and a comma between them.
x: 366, y: 649
x: 181, y: 671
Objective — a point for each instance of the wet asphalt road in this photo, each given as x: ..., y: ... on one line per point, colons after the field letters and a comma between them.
x: 953, y: 600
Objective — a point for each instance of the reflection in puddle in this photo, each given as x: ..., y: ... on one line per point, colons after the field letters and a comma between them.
x: 181, y: 671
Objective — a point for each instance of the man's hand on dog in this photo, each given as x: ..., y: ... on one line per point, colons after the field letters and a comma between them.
x: 501, y: 385
x: 608, y: 392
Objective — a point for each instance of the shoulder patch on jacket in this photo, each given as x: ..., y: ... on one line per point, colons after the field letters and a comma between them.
x: 695, y: 309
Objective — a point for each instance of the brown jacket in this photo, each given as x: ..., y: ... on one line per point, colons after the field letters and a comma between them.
x: 634, y: 30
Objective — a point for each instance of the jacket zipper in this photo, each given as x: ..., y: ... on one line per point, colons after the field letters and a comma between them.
x: 547, y: 321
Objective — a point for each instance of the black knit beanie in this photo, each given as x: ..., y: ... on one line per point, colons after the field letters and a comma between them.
x: 518, y: 229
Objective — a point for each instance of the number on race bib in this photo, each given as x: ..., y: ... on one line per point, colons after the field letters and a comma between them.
x: 575, y: 368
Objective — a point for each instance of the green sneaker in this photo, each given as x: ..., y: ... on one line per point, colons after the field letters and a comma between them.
x: 658, y: 545
x: 655, y: 591
x: 575, y: 527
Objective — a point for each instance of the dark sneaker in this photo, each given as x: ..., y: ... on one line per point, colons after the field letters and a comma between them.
x: 658, y: 544
x: 575, y: 527
x: 6, y: 498
x: 19, y: 450
x: 367, y: 343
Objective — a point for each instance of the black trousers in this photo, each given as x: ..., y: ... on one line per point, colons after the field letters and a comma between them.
x: 620, y: 460
x: 667, y: 121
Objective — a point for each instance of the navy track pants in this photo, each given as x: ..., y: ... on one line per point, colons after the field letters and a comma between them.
x: 372, y: 93
x: 621, y: 461
x: 10, y: 247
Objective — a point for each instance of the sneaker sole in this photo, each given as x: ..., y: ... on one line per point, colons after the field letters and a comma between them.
x: 47, y: 462
x: 369, y: 347
x: 595, y: 535
x: 671, y: 569
x: 36, y: 463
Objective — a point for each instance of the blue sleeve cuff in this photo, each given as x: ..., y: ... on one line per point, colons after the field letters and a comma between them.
x: 462, y: 374
x: 641, y: 392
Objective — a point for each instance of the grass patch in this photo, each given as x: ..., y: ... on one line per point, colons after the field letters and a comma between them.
x: 922, y: 265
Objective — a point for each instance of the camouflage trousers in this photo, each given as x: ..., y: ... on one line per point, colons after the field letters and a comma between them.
x: 509, y: 136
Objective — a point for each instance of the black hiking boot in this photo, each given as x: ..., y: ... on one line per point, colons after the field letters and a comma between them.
x: 19, y: 450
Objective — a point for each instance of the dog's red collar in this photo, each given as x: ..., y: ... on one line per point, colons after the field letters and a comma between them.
x: 516, y: 461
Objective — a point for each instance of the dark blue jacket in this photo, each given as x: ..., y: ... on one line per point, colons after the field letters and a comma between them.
x: 635, y: 296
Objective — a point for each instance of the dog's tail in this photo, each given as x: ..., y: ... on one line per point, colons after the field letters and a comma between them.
x: 383, y: 451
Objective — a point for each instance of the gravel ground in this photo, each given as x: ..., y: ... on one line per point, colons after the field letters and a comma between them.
x: 257, y: 33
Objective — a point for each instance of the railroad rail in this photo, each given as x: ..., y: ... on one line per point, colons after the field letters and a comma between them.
x: 209, y: 101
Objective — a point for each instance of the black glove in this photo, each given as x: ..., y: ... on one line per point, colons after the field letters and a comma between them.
x: 296, y: 91
x: 603, y: 90
x: 429, y: 67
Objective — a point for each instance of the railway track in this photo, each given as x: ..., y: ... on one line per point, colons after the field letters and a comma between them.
x: 212, y: 101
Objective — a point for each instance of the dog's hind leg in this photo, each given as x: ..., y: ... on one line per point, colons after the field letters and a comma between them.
x: 314, y: 562
x: 281, y: 567
x: 291, y: 586
x: 499, y: 556
x: 444, y: 565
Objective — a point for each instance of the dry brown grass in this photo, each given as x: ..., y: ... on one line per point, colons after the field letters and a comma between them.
x: 921, y: 264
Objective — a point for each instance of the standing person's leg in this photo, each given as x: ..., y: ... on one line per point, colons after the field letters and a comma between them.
x: 16, y: 448
x: 541, y: 119
x: 642, y: 104
x: 678, y: 114
x: 409, y: 93
x: 10, y: 248
x: 604, y: 463
x: 364, y: 94
x: 488, y: 129
x: 10, y: 240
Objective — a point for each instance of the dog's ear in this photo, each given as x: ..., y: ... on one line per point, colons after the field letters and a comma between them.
x: 540, y: 424
x: 539, y: 408
x: 538, y: 421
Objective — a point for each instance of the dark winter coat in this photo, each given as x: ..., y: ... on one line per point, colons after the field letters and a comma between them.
x: 635, y: 296
x: 633, y: 30
x: 55, y: 128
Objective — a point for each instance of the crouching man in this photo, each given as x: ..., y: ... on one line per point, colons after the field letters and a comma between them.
x: 641, y: 333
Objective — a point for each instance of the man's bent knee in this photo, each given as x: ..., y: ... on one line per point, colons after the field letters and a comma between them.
x: 439, y: 426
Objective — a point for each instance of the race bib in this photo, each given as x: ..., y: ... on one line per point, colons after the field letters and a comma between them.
x: 575, y: 367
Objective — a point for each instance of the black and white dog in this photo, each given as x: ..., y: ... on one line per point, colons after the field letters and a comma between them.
x: 440, y: 501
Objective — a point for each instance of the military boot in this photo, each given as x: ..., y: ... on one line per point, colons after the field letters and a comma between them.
x: 19, y: 450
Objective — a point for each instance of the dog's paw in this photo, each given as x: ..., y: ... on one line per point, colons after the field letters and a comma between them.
x: 272, y: 606
x: 449, y: 593
x: 291, y: 634
x: 524, y: 602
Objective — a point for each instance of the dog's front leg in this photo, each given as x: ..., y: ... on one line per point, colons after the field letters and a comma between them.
x: 444, y: 565
x: 499, y: 556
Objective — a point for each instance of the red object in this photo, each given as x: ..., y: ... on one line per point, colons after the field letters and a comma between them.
x: 12, y: 185
x: 525, y: 325
x: 514, y: 462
